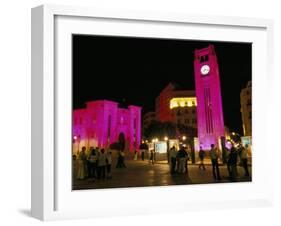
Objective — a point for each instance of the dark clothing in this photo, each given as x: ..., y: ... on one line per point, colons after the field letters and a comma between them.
x: 202, y: 156
x: 120, y: 162
x: 142, y: 155
x: 92, y: 170
x: 232, y: 158
x: 173, y: 165
x: 182, y: 153
x: 232, y: 164
x: 108, y: 170
x: 92, y: 164
x: 245, y: 166
x: 152, y: 157
x: 101, y: 172
x: 216, y: 171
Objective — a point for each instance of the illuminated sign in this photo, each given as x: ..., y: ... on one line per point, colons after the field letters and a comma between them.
x: 183, y: 102
x: 161, y: 147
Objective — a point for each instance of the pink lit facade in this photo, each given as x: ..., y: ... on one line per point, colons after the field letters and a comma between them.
x: 210, y: 120
x: 101, y: 122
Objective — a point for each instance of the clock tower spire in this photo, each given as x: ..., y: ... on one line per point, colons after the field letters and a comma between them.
x: 210, y: 121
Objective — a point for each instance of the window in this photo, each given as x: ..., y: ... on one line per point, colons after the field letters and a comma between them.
x: 193, y: 111
x: 204, y: 58
x: 179, y: 121
x: 186, y: 121
x: 186, y: 111
x: 179, y: 112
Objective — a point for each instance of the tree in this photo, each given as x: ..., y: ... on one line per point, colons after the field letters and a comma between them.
x: 144, y: 146
x: 160, y: 130
x: 120, y: 144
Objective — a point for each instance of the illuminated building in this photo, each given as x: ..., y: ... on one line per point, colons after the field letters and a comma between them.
x: 246, y: 109
x: 176, y: 105
x: 210, y: 122
x: 148, y: 118
x: 101, y: 123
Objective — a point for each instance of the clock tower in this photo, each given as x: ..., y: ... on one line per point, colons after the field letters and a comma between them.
x: 210, y: 121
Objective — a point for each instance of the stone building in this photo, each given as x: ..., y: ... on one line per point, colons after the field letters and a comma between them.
x: 101, y: 123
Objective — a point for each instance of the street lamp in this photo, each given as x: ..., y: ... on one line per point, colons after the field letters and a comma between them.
x: 167, y: 144
x: 77, y: 139
x: 184, y: 138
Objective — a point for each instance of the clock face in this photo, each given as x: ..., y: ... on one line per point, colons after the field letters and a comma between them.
x: 205, y: 69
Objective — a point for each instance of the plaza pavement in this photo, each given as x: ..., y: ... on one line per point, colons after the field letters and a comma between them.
x: 142, y: 173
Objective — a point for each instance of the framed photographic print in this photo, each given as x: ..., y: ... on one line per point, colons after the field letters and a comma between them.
x: 148, y: 112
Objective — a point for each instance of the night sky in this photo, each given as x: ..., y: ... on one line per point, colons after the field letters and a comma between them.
x: 135, y: 70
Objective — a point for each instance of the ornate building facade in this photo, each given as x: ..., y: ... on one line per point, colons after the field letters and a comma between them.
x: 101, y: 123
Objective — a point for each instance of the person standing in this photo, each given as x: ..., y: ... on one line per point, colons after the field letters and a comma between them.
x: 181, y: 155
x: 244, y: 159
x: 93, y: 164
x: 173, y: 159
x: 152, y: 156
x: 215, y: 163
x: 82, y: 158
x: 119, y: 160
x: 122, y: 154
x: 101, y: 164
x: 201, y: 157
x: 232, y: 164
x: 186, y: 160
x: 142, y: 154
x: 136, y: 155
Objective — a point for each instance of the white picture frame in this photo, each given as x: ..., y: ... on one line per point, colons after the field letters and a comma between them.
x: 52, y: 197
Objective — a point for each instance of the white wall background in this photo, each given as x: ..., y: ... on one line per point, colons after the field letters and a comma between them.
x: 15, y: 111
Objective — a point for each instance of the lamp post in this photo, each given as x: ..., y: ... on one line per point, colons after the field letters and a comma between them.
x: 77, y: 139
x: 168, y: 154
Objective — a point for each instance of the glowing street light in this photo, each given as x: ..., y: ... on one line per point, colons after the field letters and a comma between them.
x: 74, y: 137
x: 184, y: 138
x: 165, y: 138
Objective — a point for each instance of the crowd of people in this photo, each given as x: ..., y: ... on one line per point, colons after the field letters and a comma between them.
x: 179, y: 160
x: 96, y: 164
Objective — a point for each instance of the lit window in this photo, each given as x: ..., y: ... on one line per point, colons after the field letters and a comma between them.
x: 182, y: 104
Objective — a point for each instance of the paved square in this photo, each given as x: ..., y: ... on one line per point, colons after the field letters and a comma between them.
x: 142, y: 173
